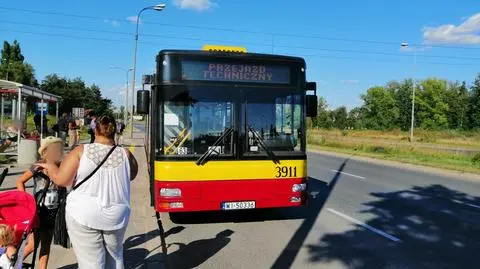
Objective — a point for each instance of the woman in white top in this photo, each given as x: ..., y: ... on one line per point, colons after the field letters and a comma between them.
x: 97, y: 212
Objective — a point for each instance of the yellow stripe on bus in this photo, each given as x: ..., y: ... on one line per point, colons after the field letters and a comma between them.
x: 229, y: 170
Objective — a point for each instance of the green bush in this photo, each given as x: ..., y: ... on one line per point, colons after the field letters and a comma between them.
x: 379, y: 149
x: 476, y: 159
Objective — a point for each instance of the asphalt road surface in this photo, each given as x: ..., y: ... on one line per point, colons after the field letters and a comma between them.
x: 360, y: 215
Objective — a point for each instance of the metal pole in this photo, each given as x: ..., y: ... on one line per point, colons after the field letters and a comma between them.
x: 56, y: 117
x: 19, y: 113
x: 413, y: 94
x: 125, y: 112
x: 134, y: 69
x: 14, y: 108
x: 3, y: 112
x: 41, y: 119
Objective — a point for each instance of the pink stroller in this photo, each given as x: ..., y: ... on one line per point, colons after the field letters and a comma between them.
x: 18, y: 210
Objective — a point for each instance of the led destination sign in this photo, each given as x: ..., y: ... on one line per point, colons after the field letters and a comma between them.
x: 232, y: 72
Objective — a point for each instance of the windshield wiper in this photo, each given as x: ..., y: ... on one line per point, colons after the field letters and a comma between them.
x: 203, y: 159
x: 267, y: 149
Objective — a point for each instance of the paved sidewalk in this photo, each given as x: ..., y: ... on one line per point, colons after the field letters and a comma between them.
x: 142, y: 241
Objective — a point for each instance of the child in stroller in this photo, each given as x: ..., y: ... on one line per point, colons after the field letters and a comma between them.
x: 17, y: 220
x: 7, y: 249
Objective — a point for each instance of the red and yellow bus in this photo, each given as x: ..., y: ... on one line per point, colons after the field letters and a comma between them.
x: 226, y: 130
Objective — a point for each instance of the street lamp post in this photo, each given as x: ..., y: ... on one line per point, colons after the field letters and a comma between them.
x: 125, y: 112
x: 412, y: 120
x: 158, y: 7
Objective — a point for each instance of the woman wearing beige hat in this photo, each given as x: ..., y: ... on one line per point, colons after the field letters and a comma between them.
x: 51, y: 152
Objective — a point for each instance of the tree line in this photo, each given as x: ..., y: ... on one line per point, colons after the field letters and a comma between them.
x: 439, y: 105
x: 74, y: 92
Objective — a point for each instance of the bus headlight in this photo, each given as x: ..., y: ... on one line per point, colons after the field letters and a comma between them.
x: 170, y: 192
x: 299, y: 187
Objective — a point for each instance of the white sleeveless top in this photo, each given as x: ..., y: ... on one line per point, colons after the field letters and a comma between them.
x: 103, y: 201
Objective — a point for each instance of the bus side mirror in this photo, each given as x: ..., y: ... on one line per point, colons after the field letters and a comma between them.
x: 143, y: 102
x: 311, y: 105
x: 311, y: 86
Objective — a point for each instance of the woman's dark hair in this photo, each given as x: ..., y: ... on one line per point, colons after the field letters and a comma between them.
x: 106, y: 126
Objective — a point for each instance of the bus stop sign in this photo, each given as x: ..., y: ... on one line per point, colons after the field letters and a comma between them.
x: 41, y: 108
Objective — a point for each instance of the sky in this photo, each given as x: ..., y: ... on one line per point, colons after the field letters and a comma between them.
x: 349, y: 45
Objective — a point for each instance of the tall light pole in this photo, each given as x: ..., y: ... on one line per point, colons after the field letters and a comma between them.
x: 412, y: 121
x: 158, y: 7
x: 125, y: 112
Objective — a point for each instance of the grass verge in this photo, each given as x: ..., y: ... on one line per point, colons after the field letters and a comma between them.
x: 405, y: 154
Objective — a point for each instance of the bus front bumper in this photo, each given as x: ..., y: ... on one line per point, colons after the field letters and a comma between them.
x: 187, y: 196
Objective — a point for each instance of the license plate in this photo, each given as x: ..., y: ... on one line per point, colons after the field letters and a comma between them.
x: 238, y: 205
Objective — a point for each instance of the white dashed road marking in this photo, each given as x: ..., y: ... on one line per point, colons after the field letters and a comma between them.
x: 347, y: 174
x: 467, y: 204
x: 364, y: 225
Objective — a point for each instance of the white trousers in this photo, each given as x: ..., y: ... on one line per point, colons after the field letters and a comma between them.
x: 95, y: 248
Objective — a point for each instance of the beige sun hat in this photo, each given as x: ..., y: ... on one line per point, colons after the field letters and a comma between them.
x: 47, y: 141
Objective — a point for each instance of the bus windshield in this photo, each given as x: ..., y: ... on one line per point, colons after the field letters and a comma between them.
x: 256, y: 121
x: 194, y: 118
x: 273, y: 117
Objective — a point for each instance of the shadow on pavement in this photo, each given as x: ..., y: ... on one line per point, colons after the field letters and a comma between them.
x: 70, y: 266
x: 321, y: 191
x: 438, y: 228
x: 195, y: 253
x: 137, y: 257
x: 139, y: 239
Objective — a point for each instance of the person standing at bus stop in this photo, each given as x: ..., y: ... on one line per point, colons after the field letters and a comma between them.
x: 72, y: 133
x: 63, y: 127
x: 93, y: 126
x: 120, y: 129
x: 98, y: 207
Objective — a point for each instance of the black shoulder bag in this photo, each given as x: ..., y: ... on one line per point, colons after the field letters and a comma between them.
x: 60, y: 232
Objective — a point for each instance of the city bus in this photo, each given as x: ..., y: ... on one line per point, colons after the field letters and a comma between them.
x: 227, y: 130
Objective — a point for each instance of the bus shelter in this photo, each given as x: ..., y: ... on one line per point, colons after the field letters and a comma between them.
x: 17, y: 93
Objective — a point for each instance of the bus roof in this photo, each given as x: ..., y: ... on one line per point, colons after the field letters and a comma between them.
x: 234, y: 55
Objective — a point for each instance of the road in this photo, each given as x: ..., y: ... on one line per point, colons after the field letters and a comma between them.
x: 360, y: 215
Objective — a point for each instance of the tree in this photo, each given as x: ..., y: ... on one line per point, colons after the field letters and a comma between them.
x: 75, y: 93
x: 96, y: 102
x: 457, y: 100
x: 432, y: 104
x: 355, y: 118
x: 379, y: 108
x: 340, y: 116
x: 474, y: 104
x: 13, y: 67
x: 402, y: 93
x: 324, y: 118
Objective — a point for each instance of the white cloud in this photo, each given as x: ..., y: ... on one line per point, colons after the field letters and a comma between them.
x: 114, y: 23
x: 198, y: 5
x: 349, y: 81
x: 133, y: 19
x: 468, y: 32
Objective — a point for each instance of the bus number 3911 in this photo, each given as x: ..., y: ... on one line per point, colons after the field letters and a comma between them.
x: 286, y: 171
